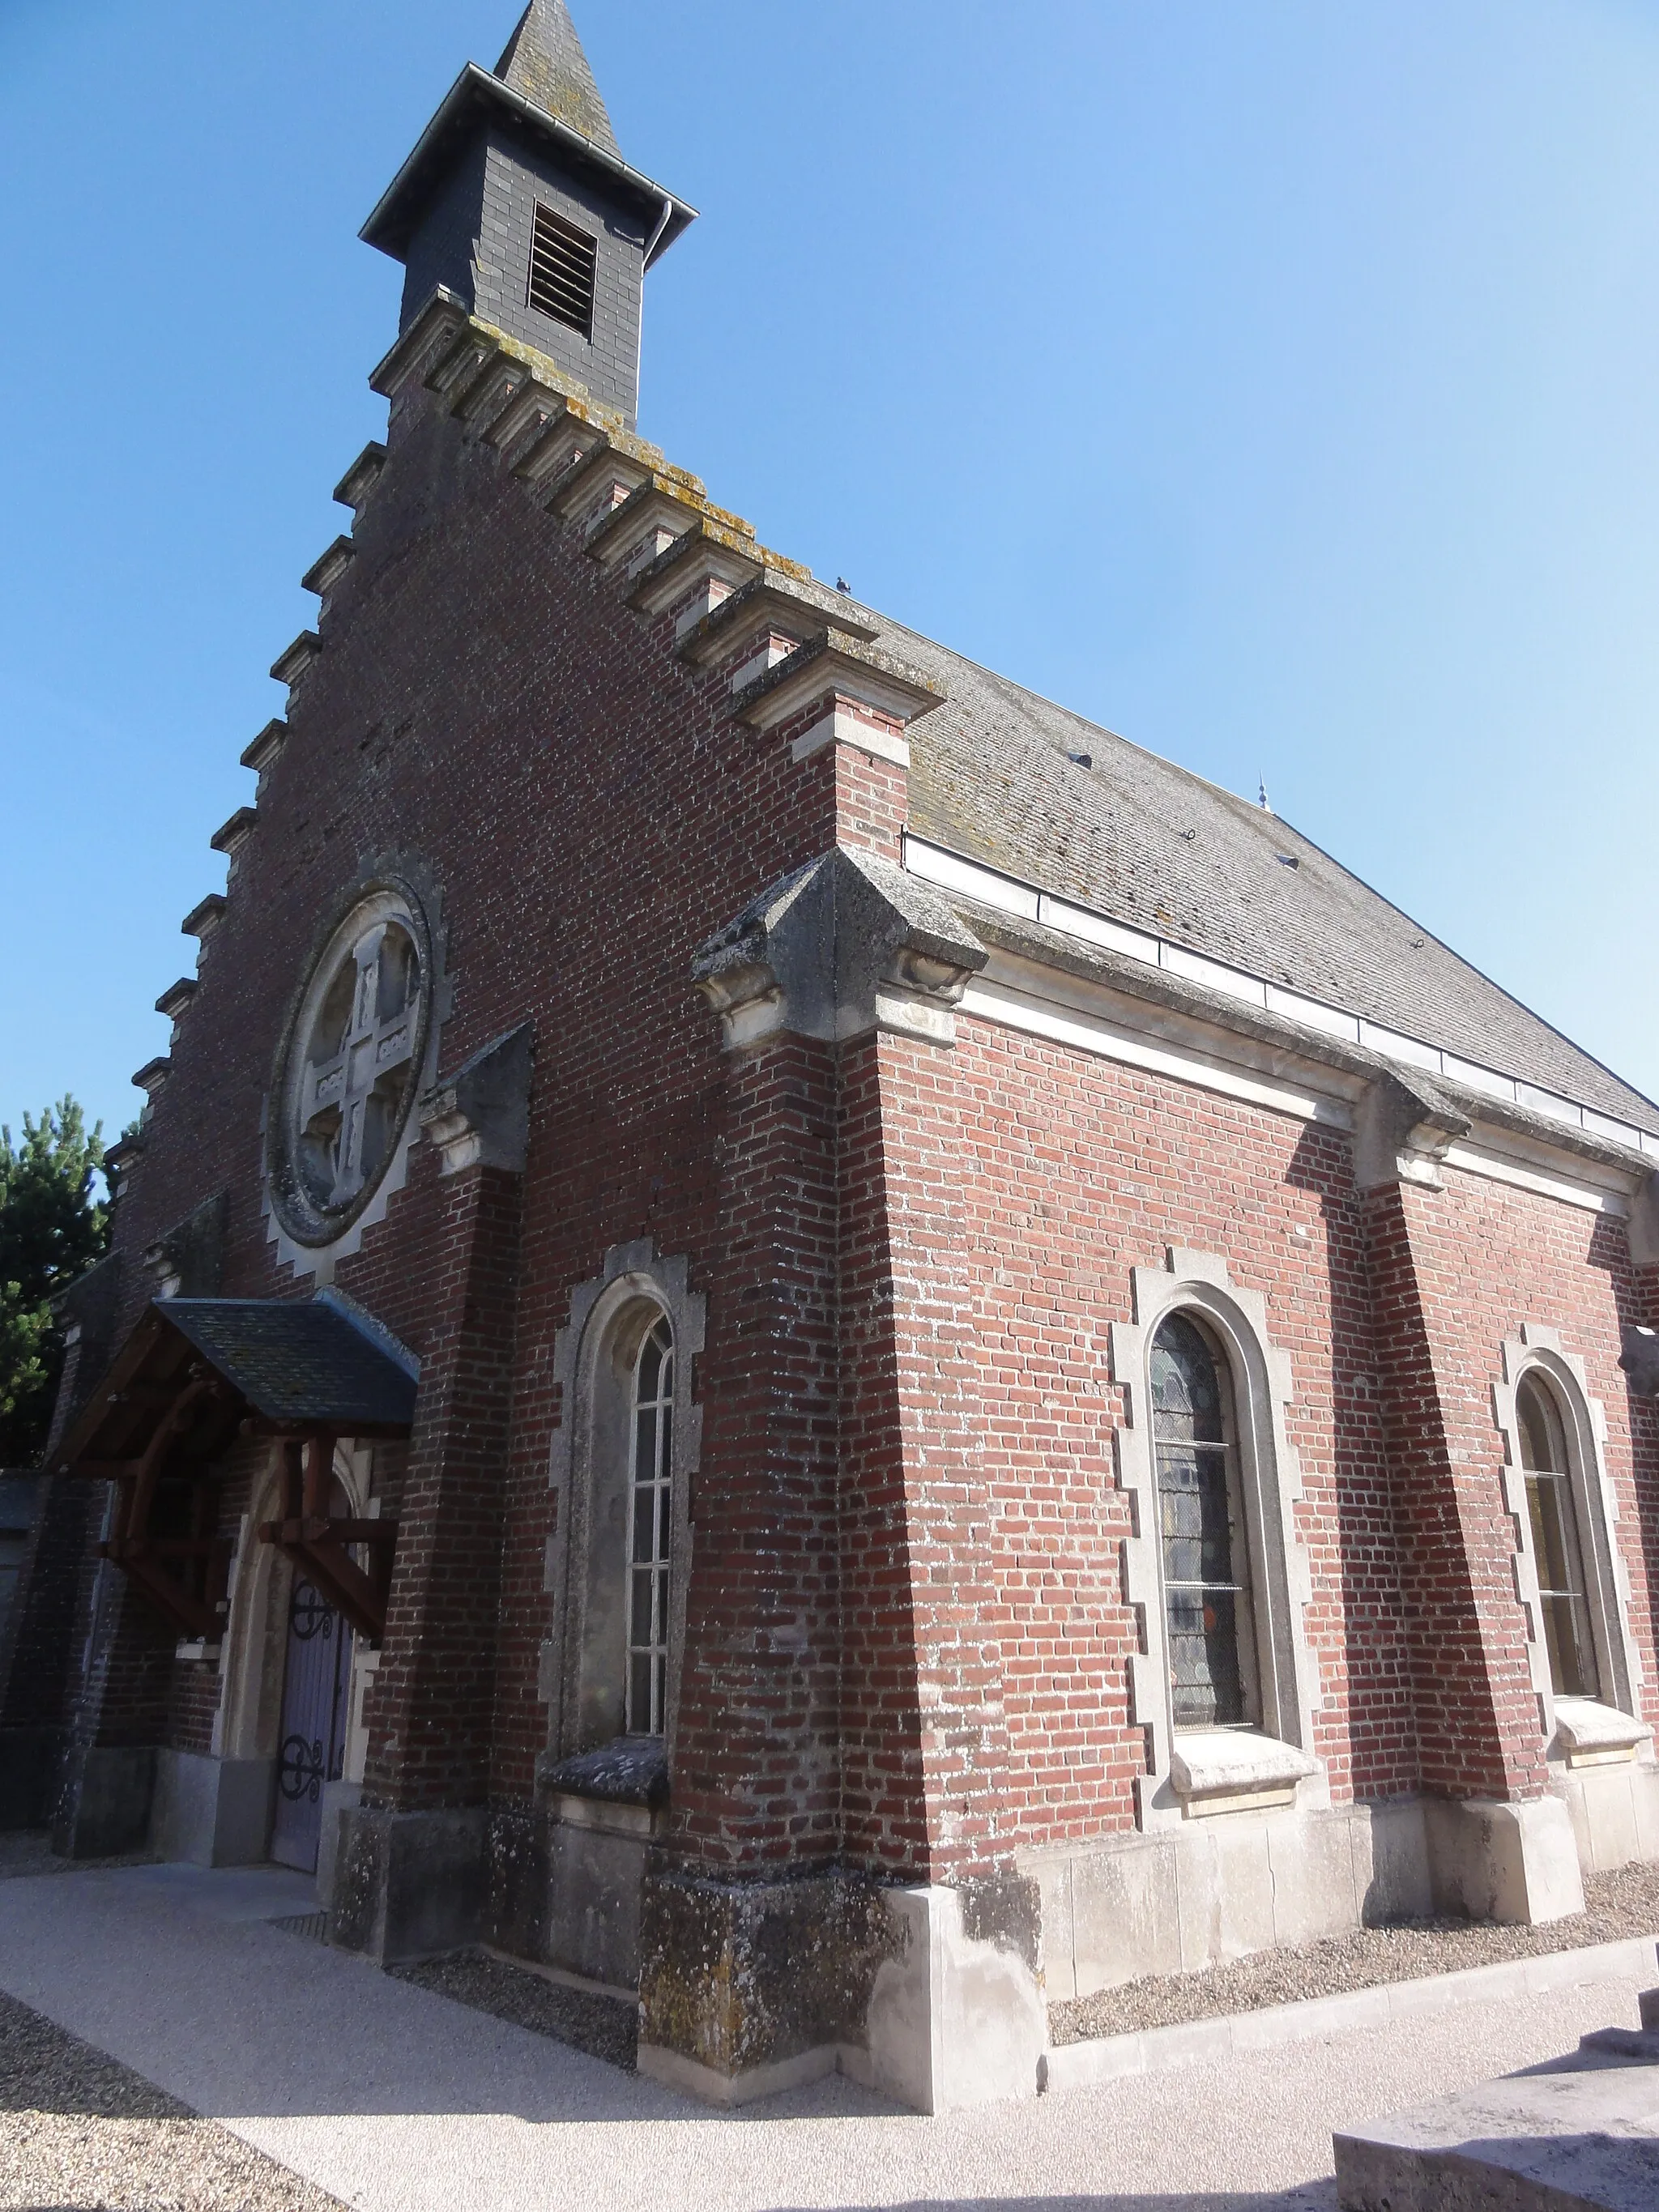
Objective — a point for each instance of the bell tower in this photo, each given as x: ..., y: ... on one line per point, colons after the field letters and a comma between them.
x: 517, y: 199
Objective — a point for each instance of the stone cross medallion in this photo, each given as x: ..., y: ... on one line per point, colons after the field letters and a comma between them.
x: 349, y: 1094
x: 349, y: 1065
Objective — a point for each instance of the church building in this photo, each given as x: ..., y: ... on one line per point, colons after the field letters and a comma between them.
x: 791, y: 1331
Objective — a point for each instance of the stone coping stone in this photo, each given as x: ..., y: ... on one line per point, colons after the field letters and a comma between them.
x: 1210, y: 2042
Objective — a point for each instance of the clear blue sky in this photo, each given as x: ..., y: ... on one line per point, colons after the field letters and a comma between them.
x: 1277, y: 383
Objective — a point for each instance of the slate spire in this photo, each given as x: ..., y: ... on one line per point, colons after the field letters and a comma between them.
x: 544, y: 61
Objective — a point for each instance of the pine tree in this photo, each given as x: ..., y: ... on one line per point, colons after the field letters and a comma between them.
x: 52, y: 1229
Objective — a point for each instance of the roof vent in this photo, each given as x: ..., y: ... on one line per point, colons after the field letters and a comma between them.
x: 562, y: 260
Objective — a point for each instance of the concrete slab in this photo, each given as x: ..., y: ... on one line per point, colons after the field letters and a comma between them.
x: 397, y: 2100
x: 1581, y: 2136
x: 265, y: 1893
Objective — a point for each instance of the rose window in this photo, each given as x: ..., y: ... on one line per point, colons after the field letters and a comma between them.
x: 350, y: 1067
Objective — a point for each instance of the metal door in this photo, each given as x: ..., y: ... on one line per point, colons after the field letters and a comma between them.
x: 315, y: 1688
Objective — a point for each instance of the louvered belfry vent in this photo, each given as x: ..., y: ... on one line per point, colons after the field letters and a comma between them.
x: 561, y: 265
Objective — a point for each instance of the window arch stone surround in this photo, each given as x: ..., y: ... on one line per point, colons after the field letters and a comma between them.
x: 1273, y: 1762
x: 1572, y: 1727
x: 590, y: 1473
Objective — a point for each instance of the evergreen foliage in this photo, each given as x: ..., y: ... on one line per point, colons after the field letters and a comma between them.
x: 52, y: 1229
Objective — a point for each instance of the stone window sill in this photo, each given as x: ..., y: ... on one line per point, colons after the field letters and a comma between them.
x: 1594, y: 1735
x: 1234, y: 1771
x: 618, y: 1789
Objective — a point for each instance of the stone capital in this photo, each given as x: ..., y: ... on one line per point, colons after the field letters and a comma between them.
x: 185, y: 1260
x: 847, y: 944
x: 1403, y: 1128
x: 480, y: 1116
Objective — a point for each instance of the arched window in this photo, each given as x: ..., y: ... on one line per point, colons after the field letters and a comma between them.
x: 651, y: 1524
x: 1557, y: 1553
x: 1205, y: 1548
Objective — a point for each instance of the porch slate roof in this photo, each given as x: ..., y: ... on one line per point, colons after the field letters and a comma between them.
x: 298, y: 1362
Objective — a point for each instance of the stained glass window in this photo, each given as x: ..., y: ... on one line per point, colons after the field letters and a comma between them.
x: 1555, y: 1552
x: 1206, y: 1555
x: 647, y: 1615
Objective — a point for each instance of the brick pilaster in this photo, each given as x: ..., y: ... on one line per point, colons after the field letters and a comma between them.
x: 925, y: 1737
x: 755, y: 1771
x: 1477, y: 1716
x: 431, y: 1711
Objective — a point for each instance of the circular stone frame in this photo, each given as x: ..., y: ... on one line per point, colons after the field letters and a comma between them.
x: 382, y: 900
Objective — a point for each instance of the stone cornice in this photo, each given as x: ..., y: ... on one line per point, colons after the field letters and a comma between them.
x: 230, y: 837
x: 836, y: 663
x: 204, y: 917
x: 430, y: 330
x: 660, y: 508
x: 782, y: 597
x: 290, y: 665
x: 1408, y: 1124
x: 262, y: 753
x: 360, y: 478
x: 705, y: 554
x: 1488, y: 1094
x: 327, y: 570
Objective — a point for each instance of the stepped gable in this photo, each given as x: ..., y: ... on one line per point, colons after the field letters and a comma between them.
x: 1132, y: 835
x: 544, y: 61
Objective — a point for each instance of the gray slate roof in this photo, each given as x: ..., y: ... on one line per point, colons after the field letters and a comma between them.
x: 546, y: 62
x: 300, y: 1363
x: 1152, y: 845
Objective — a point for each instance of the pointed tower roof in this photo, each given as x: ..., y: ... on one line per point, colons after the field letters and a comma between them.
x: 542, y: 85
x: 544, y: 61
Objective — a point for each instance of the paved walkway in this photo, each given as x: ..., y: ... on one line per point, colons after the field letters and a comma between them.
x: 397, y: 2100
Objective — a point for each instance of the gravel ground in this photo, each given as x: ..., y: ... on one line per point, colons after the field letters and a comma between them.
x: 79, y: 2133
x: 605, y: 2028
x: 1618, y: 1905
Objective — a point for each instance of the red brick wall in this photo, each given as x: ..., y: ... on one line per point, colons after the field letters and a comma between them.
x: 1459, y: 1270
x: 487, y: 703
x: 911, y: 1259
x: 1074, y: 1172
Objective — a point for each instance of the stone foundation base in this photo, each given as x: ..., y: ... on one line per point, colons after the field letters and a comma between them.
x: 212, y: 1812
x: 31, y: 1760
x: 566, y: 1882
x: 1515, y: 1862
x: 1177, y: 1899
x: 1614, y: 1811
x: 1181, y: 1899
x: 105, y: 1803
x: 338, y: 1799
x: 409, y: 1886
x: 932, y: 1996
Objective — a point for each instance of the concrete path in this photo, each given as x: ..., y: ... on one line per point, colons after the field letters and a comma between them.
x: 397, y: 2100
